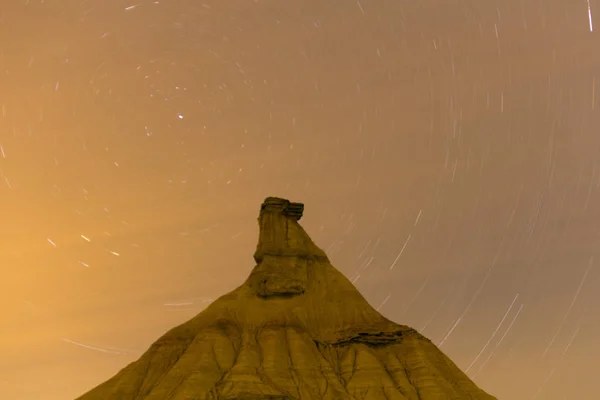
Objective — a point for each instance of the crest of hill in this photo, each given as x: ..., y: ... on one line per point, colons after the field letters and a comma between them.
x: 295, y: 329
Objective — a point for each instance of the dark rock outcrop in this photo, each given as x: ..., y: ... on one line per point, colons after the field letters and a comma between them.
x: 297, y: 329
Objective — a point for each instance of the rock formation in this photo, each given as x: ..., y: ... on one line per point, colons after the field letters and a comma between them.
x: 296, y: 329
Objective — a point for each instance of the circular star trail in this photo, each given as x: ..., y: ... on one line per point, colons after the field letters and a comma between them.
x: 447, y: 154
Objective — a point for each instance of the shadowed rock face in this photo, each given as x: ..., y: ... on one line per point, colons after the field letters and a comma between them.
x: 297, y: 329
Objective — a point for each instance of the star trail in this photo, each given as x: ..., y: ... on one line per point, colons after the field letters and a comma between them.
x: 447, y: 153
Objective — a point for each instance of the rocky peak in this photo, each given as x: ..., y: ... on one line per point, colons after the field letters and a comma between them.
x: 296, y: 329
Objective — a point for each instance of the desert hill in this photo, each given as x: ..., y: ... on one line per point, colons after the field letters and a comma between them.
x: 295, y: 329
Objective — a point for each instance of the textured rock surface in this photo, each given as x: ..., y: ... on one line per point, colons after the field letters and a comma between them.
x: 296, y: 329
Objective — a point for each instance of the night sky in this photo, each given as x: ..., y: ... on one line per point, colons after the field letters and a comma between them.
x: 447, y: 152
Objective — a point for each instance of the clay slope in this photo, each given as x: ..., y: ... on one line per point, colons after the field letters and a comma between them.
x: 296, y: 329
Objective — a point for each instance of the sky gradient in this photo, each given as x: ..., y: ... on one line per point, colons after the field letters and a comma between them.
x: 448, y: 155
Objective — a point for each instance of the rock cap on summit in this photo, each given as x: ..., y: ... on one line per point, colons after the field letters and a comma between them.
x: 281, y: 235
